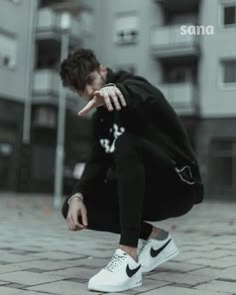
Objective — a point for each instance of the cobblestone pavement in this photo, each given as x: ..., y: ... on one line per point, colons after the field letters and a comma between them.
x: 39, y: 255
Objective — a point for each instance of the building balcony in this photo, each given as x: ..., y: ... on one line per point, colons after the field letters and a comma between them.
x: 50, y: 23
x: 182, y: 96
x: 46, y: 89
x: 168, y: 42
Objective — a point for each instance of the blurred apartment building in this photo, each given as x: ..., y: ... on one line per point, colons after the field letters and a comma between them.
x: 15, y: 17
x: 31, y: 36
x: 197, y: 74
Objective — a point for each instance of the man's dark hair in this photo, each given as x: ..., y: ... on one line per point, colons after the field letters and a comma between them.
x: 77, y: 66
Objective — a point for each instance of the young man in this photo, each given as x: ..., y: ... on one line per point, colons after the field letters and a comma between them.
x: 142, y: 168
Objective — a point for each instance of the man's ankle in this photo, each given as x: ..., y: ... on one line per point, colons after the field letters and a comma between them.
x: 154, y: 233
x: 132, y: 251
x: 158, y: 233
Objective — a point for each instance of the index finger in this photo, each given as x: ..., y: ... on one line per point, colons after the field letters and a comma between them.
x: 89, y: 106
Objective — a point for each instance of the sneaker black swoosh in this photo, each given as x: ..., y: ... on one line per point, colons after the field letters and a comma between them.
x: 154, y: 252
x: 131, y: 272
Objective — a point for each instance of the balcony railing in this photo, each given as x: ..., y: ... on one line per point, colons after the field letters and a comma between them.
x: 46, y: 90
x: 182, y: 96
x: 50, y: 24
x: 169, y: 41
x: 46, y: 83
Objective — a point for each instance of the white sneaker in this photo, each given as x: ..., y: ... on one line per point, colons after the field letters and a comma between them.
x: 155, y: 252
x: 121, y: 273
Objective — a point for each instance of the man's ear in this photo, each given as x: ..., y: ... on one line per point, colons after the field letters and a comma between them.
x: 103, y: 70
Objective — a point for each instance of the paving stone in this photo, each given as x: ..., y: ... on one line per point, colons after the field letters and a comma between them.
x: 229, y: 258
x: 3, y: 283
x: 28, y: 278
x: 65, y: 288
x: 10, y: 291
x: 91, y: 262
x: 16, y: 286
x: 11, y: 268
x: 7, y: 257
x: 220, y: 263
x: 173, y: 290
x: 216, y: 254
x: 213, y: 272
x: 56, y: 255
x: 218, y: 286
x: 149, y: 284
x: 75, y: 272
x: 187, y: 255
x: 45, y: 265
x: 76, y: 280
x: 185, y: 278
x: 228, y: 273
x: 4, y: 262
x: 179, y: 266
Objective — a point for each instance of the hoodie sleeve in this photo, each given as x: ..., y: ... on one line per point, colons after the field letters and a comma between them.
x: 94, y: 170
x: 95, y: 167
x: 138, y: 91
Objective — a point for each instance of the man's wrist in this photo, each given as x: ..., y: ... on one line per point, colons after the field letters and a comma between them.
x: 77, y: 195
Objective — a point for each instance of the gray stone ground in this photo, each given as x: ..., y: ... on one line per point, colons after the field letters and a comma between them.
x: 39, y: 255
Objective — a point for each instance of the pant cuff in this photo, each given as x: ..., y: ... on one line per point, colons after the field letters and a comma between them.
x: 129, y: 237
x: 146, y: 229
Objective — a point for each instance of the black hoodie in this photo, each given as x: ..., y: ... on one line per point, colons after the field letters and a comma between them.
x: 148, y: 115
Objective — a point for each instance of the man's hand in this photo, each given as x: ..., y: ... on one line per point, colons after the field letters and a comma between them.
x: 105, y: 96
x: 76, y: 209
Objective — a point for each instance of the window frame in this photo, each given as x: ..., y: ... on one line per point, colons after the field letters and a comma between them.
x: 222, y: 7
x: 219, y: 153
x: 224, y: 85
x: 14, y: 38
x: 115, y: 31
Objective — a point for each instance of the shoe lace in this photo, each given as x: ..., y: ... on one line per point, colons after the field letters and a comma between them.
x: 115, y: 262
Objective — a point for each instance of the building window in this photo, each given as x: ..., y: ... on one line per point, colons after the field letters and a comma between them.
x: 44, y: 117
x: 222, y: 165
x: 175, y: 75
x: 86, y: 19
x: 7, y: 51
x: 229, y: 15
x: 126, y: 29
x: 229, y: 71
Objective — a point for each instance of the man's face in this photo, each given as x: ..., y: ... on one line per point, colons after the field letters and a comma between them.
x: 94, y: 81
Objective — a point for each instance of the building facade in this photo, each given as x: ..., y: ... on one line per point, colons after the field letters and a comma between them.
x: 30, y: 52
x: 186, y: 48
x: 14, y: 77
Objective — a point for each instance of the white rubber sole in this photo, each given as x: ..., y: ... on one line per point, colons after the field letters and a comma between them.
x: 137, y: 282
x: 170, y: 252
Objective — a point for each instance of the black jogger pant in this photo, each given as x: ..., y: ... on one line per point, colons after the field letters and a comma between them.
x: 146, y: 188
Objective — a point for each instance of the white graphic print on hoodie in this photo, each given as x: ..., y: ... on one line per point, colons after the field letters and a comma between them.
x: 109, y: 145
